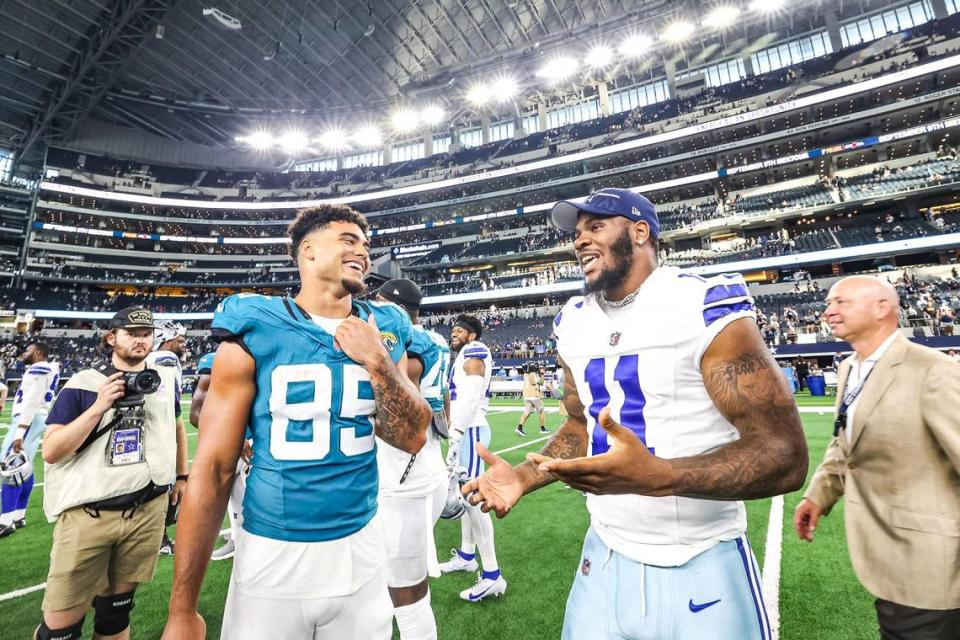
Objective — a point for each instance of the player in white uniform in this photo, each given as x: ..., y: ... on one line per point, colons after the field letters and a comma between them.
x: 413, y: 489
x: 694, y: 416
x: 169, y: 345
x: 31, y: 404
x: 469, y: 430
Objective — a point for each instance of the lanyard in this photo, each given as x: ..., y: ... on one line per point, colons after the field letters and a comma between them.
x: 849, y: 397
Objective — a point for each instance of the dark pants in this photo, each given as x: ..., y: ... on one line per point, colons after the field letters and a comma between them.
x: 900, y: 622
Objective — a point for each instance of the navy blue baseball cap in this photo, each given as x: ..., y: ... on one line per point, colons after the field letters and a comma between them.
x: 606, y: 202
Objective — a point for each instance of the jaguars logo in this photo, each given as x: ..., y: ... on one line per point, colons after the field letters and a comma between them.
x: 389, y: 340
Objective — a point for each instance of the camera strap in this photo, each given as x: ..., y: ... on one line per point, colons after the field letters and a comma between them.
x: 99, y: 431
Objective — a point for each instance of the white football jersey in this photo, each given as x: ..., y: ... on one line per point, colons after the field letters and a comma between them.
x: 476, y: 350
x: 644, y: 363
x: 35, y: 394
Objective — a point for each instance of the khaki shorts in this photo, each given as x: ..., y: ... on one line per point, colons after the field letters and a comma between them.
x: 533, y: 404
x: 89, y: 554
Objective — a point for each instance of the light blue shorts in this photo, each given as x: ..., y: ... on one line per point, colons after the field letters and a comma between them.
x: 469, y: 458
x: 31, y: 441
x: 714, y: 596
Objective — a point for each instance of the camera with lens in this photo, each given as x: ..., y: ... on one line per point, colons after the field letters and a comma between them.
x: 530, y: 367
x: 136, y: 385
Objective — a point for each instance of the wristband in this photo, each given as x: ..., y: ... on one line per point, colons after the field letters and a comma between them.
x: 182, y: 476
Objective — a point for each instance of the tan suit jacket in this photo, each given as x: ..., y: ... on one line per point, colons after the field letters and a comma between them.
x: 901, y: 478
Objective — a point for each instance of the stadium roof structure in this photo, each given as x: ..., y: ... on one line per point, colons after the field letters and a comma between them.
x: 204, y: 72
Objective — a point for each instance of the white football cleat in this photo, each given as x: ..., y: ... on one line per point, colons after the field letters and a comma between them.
x: 457, y: 563
x: 484, y: 588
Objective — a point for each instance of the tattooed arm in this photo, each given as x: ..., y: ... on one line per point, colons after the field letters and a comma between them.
x: 402, y: 413
x: 570, y: 440
x: 746, y: 385
x: 502, y: 485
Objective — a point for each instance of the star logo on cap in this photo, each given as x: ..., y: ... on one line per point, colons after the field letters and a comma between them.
x: 396, y: 291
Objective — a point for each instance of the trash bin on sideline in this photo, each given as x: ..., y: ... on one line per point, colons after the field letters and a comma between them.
x: 817, y: 385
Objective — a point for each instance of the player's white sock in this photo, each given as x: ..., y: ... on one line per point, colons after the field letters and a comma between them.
x: 6, y: 519
x: 482, y: 525
x: 415, y: 621
x: 19, y: 514
x: 467, y: 544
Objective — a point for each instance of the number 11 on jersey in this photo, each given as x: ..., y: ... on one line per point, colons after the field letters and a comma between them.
x: 626, y: 374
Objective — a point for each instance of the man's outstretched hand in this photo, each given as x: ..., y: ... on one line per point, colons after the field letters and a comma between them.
x: 627, y: 467
x: 498, y: 489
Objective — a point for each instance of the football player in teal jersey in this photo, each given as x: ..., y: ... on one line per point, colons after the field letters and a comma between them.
x: 315, y: 377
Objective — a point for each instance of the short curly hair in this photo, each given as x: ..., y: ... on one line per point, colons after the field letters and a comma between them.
x: 313, y: 218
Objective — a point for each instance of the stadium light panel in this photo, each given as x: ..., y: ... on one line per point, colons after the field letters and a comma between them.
x: 479, y: 94
x: 334, y: 140
x: 504, y: 89
x: 678, y: 32
x: 259, y: 140
x: 557, y: 69
x: 368, y: 136
x: 293, y: 141
x: 721, y: 17
x: 433, y: 115
x: 599, y: 56
x: 405, y: 120
x: 634, y: 46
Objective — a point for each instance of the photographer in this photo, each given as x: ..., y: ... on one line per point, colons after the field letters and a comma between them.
x: 532, y: 398
x: 113, y: 454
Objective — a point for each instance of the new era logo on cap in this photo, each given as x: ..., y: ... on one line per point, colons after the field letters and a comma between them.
x: 606, y: 203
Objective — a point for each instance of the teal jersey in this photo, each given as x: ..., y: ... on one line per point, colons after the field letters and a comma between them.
x: 205, y: 364
x: 314, y: 474
x: 432, y: 351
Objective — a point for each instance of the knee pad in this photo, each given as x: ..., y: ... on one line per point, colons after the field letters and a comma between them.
x: 73, y: 632
x: 111, y: 614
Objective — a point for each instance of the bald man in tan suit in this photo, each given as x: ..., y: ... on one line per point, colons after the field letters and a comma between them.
x: 896, y: 458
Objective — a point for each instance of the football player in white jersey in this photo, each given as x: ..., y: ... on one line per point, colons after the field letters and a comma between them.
x: 469, y: 430
x: 413, y: 488
x: 693, y: 417
x: 31, y: 404
x: 169, y: 345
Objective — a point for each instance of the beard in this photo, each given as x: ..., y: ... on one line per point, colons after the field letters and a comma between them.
x: 621, y: 252
x: 128, y: 356
x: 353, y: 287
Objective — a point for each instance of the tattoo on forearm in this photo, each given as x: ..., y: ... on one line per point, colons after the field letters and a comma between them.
x: 398, y: 409
x: 566, y: 444
x: 771, y: 455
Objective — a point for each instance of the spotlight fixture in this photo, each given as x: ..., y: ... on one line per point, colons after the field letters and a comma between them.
x: 368, y: 136
x: 678, y: 32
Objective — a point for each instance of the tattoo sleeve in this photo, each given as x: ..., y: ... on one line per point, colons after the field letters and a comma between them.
x: 570, y: 440
x: 748, y: 388
x: 402, y: 414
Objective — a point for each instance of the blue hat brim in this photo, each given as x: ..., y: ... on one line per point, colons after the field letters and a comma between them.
x: 564, y: 214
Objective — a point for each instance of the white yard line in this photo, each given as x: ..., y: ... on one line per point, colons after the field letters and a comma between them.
x: 522, y: 445
x: 771, y: 565
x: 22, y: 592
